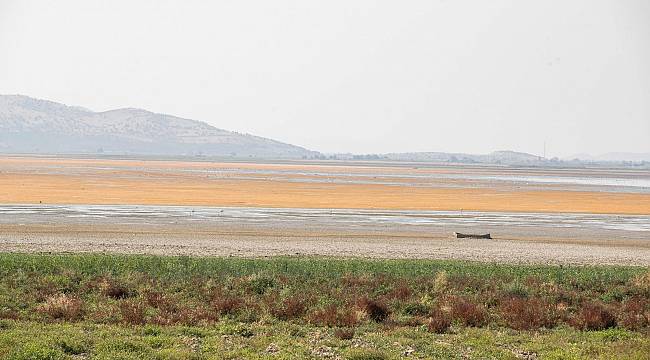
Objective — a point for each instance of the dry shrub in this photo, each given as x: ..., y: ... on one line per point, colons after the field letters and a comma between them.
x: 9, y: 314
x: 593, y: 316
x: 227, y: 305
x: 567, y: 297
x: 439, y: 321
x: 441, y: 282
x: 377, y: 311
x: 290, y: 308
x: 642, y: 282
x: 331, y: 316
x: 170, y: 312
x: 45, y: 289
x: 107, y: 313
x: 62, y: 307
x: 533, y: 281
x: 527, y: 314
x: 401, y: 292
x: 161, y: 301
x: 195, y: 316
x: 344, y: 333
x: 634, y: 314
x: 468, y: 313
x: 155, y: 299
x: 112, y: 289
x: 132, y: 311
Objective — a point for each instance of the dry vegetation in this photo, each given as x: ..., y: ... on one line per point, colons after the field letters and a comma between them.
x: 397, y: 293
x: 351, y: 300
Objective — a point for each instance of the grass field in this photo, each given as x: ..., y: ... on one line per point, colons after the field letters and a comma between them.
x: 109, y: 306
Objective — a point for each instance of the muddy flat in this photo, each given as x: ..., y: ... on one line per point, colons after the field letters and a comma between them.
x: 584, y: 216
x: 87, y: 181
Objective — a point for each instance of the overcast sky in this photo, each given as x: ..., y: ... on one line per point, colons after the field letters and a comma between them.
x: 351, y: 76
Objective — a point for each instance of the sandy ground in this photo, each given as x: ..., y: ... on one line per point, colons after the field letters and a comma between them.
x: 25, y: 180
x: 255, y: 241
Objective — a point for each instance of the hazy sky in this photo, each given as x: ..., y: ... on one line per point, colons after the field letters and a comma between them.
x: 351, y: 76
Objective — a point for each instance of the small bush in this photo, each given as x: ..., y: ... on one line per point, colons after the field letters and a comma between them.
x: 112, y: 289
x: 244, y: 331
x: 62, y: 307
x: 441, y: 282
x: 377, y: 311
x: 593, y: 316
x: 439, y: 322
x: 35, y: 351
x: 133, y: 312
x: 259, y: 285
x: 151, y: 331
x: 160, y: 301
x: 615, y: 294
x: 45, y: 288
x: 331, y: 316
x: 634, y: 314
x: 401, y: 292
x: 227, y: 305
x: 468, y: 313
x: 344, y: 333
x: 516, y: 289
x: 10, y: 314
x: 642, y: 282
x: 415, y: 309
x: 527, y: 314
x: 365, y: 355
x: 290, y: 308
x: 72, y: 346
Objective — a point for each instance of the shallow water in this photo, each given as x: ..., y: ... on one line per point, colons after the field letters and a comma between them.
x: 125, y: 214
x: 602, y: 181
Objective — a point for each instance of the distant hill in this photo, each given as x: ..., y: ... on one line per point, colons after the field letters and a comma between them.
x: 513, y: 158
x: 613, y: 157
x: 29, y: 125
x: 497, y: 157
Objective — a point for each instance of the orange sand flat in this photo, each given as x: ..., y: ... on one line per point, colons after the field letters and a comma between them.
x: 141, y: 187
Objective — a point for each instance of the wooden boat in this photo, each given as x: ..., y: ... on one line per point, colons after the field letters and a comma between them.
x: 472, y: 236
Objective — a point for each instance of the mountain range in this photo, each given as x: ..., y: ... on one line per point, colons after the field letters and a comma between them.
x: 29, y: 125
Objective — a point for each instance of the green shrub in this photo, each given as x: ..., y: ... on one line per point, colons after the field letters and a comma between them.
x: 36, y: 351
x: 365, y: 355
x: 259, y: 284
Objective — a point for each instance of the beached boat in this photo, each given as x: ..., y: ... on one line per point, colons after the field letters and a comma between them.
x: 472, y: 236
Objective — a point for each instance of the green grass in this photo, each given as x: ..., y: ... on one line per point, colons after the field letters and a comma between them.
x: 180, y: 268
x: 26, y: 340
x: 112, y: 306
